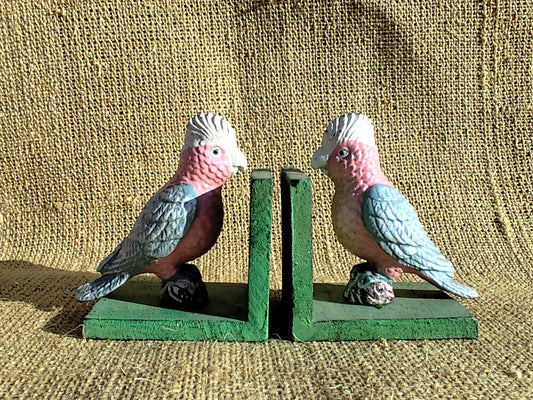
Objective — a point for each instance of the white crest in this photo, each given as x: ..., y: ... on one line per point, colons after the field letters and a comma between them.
x: 353, y: 126
x: 210, y: 129
x: 213, y: 130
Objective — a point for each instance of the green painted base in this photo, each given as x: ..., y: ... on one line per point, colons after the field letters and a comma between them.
x: 319, y: 312
x: 133, y: 312
x: 419, y: 311
x: 236, y: 312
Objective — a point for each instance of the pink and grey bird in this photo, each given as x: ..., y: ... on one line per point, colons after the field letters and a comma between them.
x: 373, y: 220
x: 184, y: 218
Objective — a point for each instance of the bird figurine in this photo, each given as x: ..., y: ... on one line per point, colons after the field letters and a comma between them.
x: 373, y: 220
x: 180, y: 222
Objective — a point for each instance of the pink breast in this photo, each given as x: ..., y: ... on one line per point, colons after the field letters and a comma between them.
x: 204, y: 230
x: 351, y: 231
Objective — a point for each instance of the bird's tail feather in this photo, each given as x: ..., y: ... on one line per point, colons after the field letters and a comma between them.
x: 109, y: 259
x: 448, y: 284
x: 101, y: 286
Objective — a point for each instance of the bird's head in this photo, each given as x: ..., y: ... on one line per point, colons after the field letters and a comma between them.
x: 342, y: 143
x: 214, y: 137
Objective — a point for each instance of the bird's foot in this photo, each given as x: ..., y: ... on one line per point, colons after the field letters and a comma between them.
x: 185, y: 290
x: 367, y: 286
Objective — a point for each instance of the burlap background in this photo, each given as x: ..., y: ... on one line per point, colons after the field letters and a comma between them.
x: 94, y: 97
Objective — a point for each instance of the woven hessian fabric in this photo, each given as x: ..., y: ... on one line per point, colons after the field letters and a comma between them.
x: 94, y: 98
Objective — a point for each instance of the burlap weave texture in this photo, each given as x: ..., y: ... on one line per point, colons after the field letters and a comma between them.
x: 94, y: 98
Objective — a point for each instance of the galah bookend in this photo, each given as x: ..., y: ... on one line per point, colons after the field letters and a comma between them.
x: 373, y: 220
x: 181, y: 221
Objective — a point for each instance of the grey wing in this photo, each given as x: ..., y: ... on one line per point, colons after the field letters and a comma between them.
x: 164, y: 220
x: 394, y: 225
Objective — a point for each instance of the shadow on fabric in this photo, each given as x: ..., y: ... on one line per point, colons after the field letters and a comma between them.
x: 47, y: 289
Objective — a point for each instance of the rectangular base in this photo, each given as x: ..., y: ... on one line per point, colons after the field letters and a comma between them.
x: 319, y: 312
x: 235, y: 312
x: 133, y: 312
x: 419, y: 311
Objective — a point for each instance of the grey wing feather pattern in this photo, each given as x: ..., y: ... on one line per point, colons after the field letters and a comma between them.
x: 164, y: 220
x: 394, y: 225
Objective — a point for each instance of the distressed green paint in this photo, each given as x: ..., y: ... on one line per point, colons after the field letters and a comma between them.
x: 318, y: 311
x: 296, y: 211
x: 236, y: 312
x: 419, y: 311
x: 261, y: 193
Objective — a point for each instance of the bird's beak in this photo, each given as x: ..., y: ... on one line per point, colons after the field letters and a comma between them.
x: 320, y: 159
x: 238, y: 160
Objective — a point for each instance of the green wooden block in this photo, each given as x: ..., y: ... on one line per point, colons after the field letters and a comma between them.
x: 236, y: 312
x: 319, y: 312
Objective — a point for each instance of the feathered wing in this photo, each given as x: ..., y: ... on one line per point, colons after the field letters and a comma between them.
x: 164, y: 220
x: 394, y: 225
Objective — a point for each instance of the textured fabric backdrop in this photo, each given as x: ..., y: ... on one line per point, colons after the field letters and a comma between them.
x: 94, y: 98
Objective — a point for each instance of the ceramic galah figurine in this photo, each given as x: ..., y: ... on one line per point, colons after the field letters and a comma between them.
x: 373, y: 220
x: 182, y: 220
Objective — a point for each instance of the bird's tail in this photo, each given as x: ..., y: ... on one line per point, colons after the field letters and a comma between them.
x: 101, y: 286
x: 448, y: 284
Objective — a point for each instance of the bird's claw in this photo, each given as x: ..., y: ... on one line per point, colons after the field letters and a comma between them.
x: 185, y: 290
x: 368, y: 287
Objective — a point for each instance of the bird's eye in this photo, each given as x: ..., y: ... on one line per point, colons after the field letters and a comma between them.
x: 217, y: 151
x: 343, y: 152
